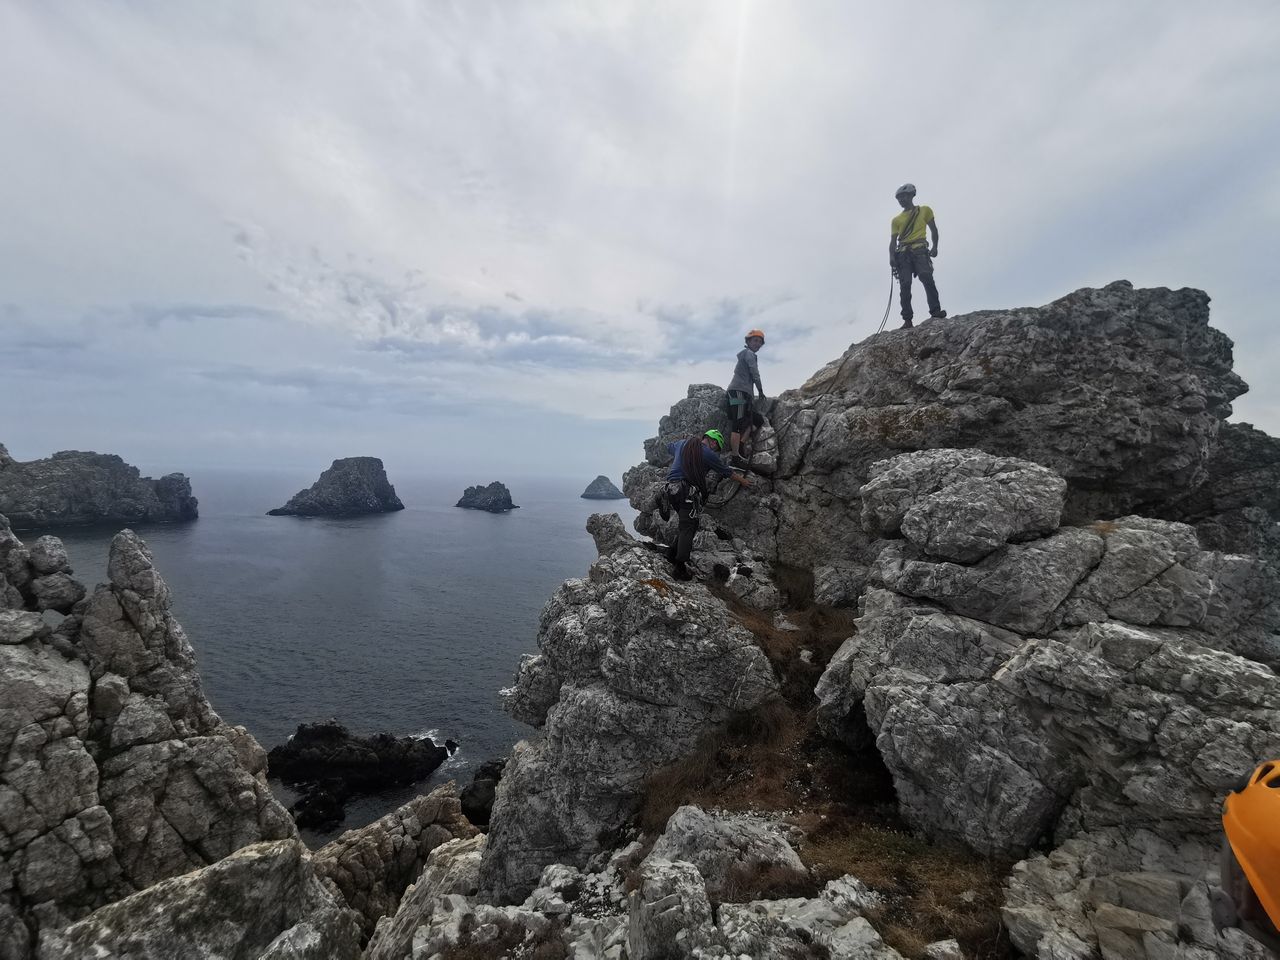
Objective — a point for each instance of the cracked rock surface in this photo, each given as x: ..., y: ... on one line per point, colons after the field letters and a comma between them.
x: 633, y: 669
x: 73, y: 488
x: 117, y: 773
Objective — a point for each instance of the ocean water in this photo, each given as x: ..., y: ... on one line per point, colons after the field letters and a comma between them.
x: 407, y: 622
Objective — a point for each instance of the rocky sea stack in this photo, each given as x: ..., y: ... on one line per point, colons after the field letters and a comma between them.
x: 965, y: 676
x: 495, y: 498
x: 350, y: 487
x: 602, y: 488
x: 74, y: 488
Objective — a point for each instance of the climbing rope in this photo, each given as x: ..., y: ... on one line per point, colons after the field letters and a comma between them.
x: 887, y: 307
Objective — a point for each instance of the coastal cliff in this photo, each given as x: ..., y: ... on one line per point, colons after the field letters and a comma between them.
x: 74, y: 488
x: 966, y: 673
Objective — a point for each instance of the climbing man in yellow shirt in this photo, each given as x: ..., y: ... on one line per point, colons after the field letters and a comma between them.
x: 910, y: 254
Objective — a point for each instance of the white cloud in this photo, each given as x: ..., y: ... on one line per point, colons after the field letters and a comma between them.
x: 572, y: 206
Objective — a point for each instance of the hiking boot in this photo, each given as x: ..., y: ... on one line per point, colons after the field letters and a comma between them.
x: 907, y: 325
x: 940, y: 315
x: 738, y: 460
x: 682, y: 572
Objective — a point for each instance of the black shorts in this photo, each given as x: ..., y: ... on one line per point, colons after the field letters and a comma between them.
x: 740, y: 410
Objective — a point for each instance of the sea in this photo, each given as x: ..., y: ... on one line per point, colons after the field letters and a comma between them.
x: 406, y: 623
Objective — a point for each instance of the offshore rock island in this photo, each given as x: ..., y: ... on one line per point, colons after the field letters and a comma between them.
x: 76, y: 488
x: 973, y: 665
x: 602, y: 488
x: 495, y: 498
x: 351, y: 487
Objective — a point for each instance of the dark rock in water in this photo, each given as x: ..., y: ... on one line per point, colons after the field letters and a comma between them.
x: 74, y: 488
x: 495, y: 498
x: 477, y: 798
x: 350, y: 487
x: 329, y: 764
x: 328, y: 751
x: 322, y: 807
x: 602, y: 488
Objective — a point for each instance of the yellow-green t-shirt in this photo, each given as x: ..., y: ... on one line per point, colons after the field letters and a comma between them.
x: 916, y: 235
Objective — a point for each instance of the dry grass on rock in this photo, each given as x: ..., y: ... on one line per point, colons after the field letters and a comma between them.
x: 773, y: 760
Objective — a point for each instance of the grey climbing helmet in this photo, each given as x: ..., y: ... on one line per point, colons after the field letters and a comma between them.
x: 909, y: 188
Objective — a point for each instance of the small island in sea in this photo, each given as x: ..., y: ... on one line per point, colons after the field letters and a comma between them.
x: 495, y: 498
x: 602, y: 488
x: 351, y: 487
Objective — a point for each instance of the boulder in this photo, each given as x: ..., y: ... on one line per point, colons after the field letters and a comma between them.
x: 726, y: 846
x: 373, y: 865
x: 633, y: 670
x: 352, y: 486
x: 73, y: 488
x: 263, y: 902
x: 495, y: 498
x: 329, y: 764
x: 602, y: 488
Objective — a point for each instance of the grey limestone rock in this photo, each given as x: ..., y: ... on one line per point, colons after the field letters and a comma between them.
x: 1101, y: 686
x: 73, y: 488
x: 118, y: 774
x: 495, y: 498
x: 961, y: 504
x: 373, y: 865
x: 1122, y: 392
x: 263, y: 902
x: 602, y: 488
x: 719, y: 844
x: 352, y: 486
x: 640, y: 668
x: 452, y: 869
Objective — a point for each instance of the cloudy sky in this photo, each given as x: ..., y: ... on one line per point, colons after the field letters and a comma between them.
x: 503, y: 237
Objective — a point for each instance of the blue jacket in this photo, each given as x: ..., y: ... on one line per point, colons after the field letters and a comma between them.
x: 709, y: 456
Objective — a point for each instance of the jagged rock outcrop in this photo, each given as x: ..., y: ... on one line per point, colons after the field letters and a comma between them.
x: 1102, y: 685
x: 263, y: 902
x: 329, y: 764
x: 352, y: 486
x: 627, y: 907
x: 633, y: 670
x: 373, y: 865
x: 117, y: 772
x: 72, y: 488
x: 495, y: 498
x: 1121, y: 392
x: 36, y: 577
x: 602, y: 488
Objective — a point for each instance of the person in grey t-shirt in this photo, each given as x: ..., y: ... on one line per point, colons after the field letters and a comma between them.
x: 745, y: 375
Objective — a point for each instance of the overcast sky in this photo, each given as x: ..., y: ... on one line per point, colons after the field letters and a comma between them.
x: 501, y: 238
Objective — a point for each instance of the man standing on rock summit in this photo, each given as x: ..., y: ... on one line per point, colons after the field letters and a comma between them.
x: 910, y: 254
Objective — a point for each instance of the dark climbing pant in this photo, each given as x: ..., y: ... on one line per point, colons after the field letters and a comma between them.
x: 916, y: 260
x: 688, y: 505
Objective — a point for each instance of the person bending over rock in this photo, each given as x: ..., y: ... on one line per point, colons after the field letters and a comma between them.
x: 745, y: 375
x: 686, y: 490
x: 909, y: 254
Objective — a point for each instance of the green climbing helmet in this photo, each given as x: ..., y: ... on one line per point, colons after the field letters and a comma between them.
x: 717, y: 436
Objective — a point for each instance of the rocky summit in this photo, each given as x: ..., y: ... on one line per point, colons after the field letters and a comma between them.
x: 602, y: 488
x: 965, y: 674
x: 495, y: 498
x: 350, y: 487
x: 74, y: 488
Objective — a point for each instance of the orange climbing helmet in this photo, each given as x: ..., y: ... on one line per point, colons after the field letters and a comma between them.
x: 755, y: 333
x: 1251, y: 855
